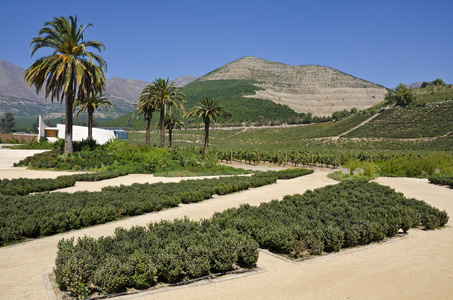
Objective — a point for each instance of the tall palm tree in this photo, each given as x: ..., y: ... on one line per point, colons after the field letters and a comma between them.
x: 208, y: 110
x: 171, y: 122
x: 166, y: 94
x: 90, y: 105
x: 147, y: 104
x: 70, y: 70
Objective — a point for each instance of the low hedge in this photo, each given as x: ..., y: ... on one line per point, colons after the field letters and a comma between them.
x: 288, y: 173
x: 25, y: 186
x: 167, y: 251
x: 442, y: 180
x: 98, y: 176
x: 331, y: 218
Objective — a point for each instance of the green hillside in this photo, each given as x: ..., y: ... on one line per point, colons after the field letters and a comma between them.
x: 230, y: 93
x: 430, y: 120
x: 433, y: 93
x: 280, y: 137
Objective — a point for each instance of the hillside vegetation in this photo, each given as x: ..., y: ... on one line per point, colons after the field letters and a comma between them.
x: 433, y: 91
x: 232, y: 94
x: 431, y: 120
x: 305, y: 89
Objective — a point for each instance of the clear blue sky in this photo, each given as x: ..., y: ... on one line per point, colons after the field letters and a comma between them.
x: 386, y: 42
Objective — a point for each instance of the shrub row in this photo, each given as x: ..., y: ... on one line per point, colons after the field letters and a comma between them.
x: 25, y: 186
x: 168, y: 251
x: 50, y: 213
x: 442, y: 180
x: 324, y: 157
x: 189, y: 191
x: 98, y: 176
x: 289, y: 173
x: 331, y: 218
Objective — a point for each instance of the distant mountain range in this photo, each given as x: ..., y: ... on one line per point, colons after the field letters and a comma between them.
x: 414, y: 85
x: 18, y: 98
x: 250, y: 87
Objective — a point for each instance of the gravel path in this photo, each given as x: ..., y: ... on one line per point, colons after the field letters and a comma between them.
x: 417, y: 266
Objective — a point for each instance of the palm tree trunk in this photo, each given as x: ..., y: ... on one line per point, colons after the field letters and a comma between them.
x: 90, y: 124
x: 68, y: 122
x: 169, y: 137
x: 206, y: 134
x: 162, y: 127
x: 148, y: 131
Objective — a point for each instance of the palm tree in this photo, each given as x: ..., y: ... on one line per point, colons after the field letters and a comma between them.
x: 90, y: 105
x: 166, y: 94
x: 70, y: 70
x: 171, y: 122
x: 146, y: 104
x: 208, y: 110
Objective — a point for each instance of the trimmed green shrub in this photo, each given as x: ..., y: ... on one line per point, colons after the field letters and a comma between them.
x: 331, y: 218
x: 168, y: 251
x: 25, y: 186
x: 442, y: 180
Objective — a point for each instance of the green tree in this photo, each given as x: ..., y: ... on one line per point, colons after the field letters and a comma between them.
x: 70, y: 70
x: 403, y: 95
x: 147, y: 104
x: 388, y: 98
x: 7, y: 123
x: 165, y: 94
x: 90, y: 105
x: 438, y: 81
x: 340, y: 115
x: 172, y: 121
x: 208, y: 110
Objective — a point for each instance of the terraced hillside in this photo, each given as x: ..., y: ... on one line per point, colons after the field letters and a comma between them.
x: 431, y: 120
x: 305, y: 89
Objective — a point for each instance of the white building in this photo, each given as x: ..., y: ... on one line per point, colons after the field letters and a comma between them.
x: 79, y: 133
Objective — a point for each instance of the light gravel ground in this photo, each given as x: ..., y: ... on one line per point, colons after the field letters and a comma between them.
x: 417, y: 266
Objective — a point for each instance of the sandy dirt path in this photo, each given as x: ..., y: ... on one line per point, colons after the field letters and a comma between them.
x: 417, y: 266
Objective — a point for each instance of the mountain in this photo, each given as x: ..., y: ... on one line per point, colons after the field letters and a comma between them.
x: 21, y: 100
x: 414, y: 85
x: 182, y: 81
x: 11, y: 84
x: 311, y: 89
x: 124, y: 88
x: 120, y: 90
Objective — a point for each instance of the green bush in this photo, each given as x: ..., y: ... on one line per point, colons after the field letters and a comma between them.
x: 169, y: 251
x: 331, y: 218
x: 441, y: 179
x: 25, y: 186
